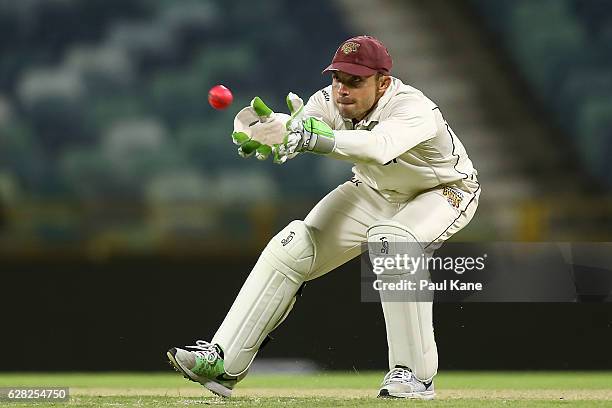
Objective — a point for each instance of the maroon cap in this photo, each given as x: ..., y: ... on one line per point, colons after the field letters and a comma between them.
x: 362, y: 56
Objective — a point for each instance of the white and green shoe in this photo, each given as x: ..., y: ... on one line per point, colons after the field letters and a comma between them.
x: 401, y: 383
x: 204, y: 365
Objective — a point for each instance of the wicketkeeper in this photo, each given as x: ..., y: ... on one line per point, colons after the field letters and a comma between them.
x: 413, y: 185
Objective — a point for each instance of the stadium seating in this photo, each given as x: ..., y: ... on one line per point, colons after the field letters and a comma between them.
x: 562, y: 48
x: 107, y: 99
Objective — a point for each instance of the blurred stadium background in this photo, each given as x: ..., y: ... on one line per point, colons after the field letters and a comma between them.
x: 128, y: 222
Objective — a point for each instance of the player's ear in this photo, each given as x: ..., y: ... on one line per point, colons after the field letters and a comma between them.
x: 384, y: 82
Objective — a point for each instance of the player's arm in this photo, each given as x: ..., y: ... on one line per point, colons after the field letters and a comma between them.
x: 410, y: 123
x: 318, y: 106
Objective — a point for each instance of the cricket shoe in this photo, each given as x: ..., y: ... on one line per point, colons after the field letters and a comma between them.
x: 401, y: 383
x: 204, y: 365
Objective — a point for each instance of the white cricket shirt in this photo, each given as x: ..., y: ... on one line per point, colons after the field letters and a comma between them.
x: 403, y: 147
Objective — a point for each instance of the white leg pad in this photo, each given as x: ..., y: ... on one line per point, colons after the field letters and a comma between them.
x: 409, y: 322
x: 266, y: 296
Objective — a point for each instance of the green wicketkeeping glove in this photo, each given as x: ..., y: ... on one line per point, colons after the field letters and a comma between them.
x: 305, y: 134
x: 257, y: 129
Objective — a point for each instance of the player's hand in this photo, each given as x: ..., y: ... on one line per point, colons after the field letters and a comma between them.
x: 257, y: 129
x: 305, y: 134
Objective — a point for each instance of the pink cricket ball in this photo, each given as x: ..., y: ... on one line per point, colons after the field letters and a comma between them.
x: 220, y: 97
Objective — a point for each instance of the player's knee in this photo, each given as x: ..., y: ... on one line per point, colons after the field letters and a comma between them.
x: 292, y: 251
x: 391, y: 239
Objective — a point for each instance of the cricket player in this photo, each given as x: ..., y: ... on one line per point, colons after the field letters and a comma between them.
x: 413, y: 184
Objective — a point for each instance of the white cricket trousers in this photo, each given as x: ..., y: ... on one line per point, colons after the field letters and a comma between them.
x: 332, y: 234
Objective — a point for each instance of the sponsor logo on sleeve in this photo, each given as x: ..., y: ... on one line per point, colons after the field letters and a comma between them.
x: 325, y: 94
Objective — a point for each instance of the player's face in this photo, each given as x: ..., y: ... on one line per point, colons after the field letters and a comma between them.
x: 354, y: 95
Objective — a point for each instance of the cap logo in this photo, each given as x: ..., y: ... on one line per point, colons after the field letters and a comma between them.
x: 349, y: 47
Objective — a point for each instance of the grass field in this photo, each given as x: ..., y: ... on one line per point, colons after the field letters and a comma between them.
x: 454, y: 389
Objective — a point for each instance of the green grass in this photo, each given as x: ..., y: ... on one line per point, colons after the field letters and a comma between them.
x: 455, y: 389
x: 527, y: 380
